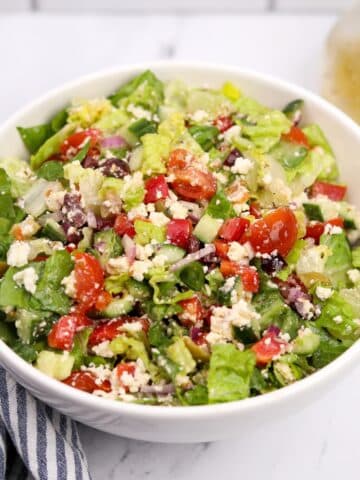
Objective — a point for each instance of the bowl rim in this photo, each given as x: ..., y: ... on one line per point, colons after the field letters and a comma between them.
x: 64, y: 392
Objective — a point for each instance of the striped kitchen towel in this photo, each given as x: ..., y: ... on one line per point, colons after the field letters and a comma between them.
x: 36, y: 442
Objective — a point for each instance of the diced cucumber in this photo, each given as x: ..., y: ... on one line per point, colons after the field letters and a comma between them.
x: 245, y: 335
x: 293, y: 110
x: 53, y: 230
x: 55, y: 365
x: 307, y: 343
x: 136, y: 158
x: 119, y: 306
x: 34, y: 199
x: 172, y: 253
x: 349, y: 224
x: 313, y: 212
x: 138, y: 290
x: 86, y: 241
x: 207, y: 228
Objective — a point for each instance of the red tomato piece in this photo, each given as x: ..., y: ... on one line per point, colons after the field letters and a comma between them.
x: 255, y: 210
x: 316, y: 229
x: 63, y: 331
x: 178, y: 232
x: 103, y: 300
x: 249, y: 275
x: 250, y: 279
x: 76, y: 141
x: 233, y: 229
x: 192, y: 312
x: 276, y: 231
x: 112, y: 328
x: 296, y: 135
x: 330, y: 190
x: 87, y: 382
x: 266, y: 349
x: 125, y: 368
x: 221, y: 248
x: 124, y: 226
x: 156, y: 189
x: 89, y: 279
x: 223, y: 123
x: 179, y: 158
x: 191, y: 181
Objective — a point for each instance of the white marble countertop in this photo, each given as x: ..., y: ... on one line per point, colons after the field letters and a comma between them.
x: 40, y: 52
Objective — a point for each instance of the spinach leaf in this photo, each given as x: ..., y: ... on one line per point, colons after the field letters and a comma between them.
x: 51, y: 170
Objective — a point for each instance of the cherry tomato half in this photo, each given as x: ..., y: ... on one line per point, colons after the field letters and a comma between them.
x: 89, y: 279
x: 76, y: 141
x: 233, y: 229
x: 124, y: 226
x: 266, y: 349
x: 276, y: 231
x: 249, y: 275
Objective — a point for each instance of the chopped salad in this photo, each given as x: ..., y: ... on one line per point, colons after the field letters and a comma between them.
x: 178, y: 246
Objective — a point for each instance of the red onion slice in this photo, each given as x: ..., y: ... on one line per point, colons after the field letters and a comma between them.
x: 166, y: 389
x: 129, y: 247
x: 192, y: 257
x: 91, y: 219
x: 113, y: 142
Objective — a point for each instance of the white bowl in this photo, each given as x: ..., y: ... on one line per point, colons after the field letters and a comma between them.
x: 202, y: 423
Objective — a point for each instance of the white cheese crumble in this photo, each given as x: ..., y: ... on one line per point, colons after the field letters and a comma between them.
x: 240, y: 253
x: 199, y: 116
x: 103, y: 349
x: 139, y: 211
x: 231, y: 133
x: 117, y: 265
x: 354, y: 275
x: 27, y: 278
x: 144, y: 252
x: 242, y: 166
x: 18, y: 254
x: 223, y: 318
x: 133, y: 382
x: 139, y: 112
x: 332, y: 229
x: 159, y: 219
x: 139, y: 268
x: 54, y: 196
x: 323, y: 293
x: 338, y: 319
x: 176, y: 209
x: 69, y: 283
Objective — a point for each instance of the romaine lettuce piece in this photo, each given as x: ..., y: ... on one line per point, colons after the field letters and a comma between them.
x: 329, y: 348
x: 11, y: 294
x: 340, y: 318
x: 339, y: 261
x: 89, y: 181
x: 145, y: 90
x: 85, y: 113
x: 316, y: 138
x: 220, y: 207
x: 49, y: 292
x: 230, y: 372
x: 79, y: 350
x: 19, y: 173
x: 179, y: 354
x: 51, y: 146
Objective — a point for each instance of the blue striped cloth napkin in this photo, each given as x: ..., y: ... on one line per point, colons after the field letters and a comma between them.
x: 36, y: 442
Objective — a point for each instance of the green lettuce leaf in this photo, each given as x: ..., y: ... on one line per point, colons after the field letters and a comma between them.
x: 229, y: 373
x: 339, y: 261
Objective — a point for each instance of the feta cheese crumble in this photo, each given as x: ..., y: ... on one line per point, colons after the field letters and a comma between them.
x: 18, y: 253
x: 27, y: 278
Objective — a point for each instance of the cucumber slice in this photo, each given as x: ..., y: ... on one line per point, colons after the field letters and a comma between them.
x: 119, y: 306
x: 86, y: 241
x: 293, y: 110
x: 55, y: 365
x: 313, y: 212
x: 349, y: 224
x: 54, y: 231
x: 207, y: 228
x: 34, y: 199
x: 307, y: 344
x: 172, y: 253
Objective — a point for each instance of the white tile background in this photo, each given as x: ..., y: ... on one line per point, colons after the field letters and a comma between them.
x: 192, y: 6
